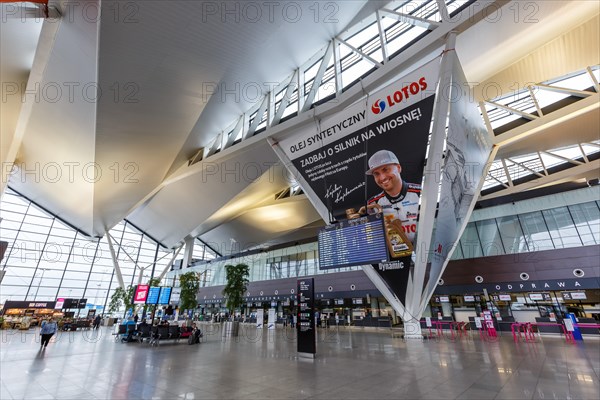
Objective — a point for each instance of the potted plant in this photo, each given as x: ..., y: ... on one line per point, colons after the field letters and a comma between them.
x: 235, y: 287
x: 121, y: 297
x: 190, y: 284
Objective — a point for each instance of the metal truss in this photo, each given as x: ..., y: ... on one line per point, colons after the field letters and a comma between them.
x: 544, y: 167
x: 343, y: 62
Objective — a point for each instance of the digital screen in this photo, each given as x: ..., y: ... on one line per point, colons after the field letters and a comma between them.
x: 141, y: 293
x: 444, y: 299
x: 153, y: 295
x: 74, y: 303
x: 358, y: 241
x: 536, y: 296
x: 505, y: 297
x: 469, y: 298
x: 59, y: 304
x: 165, y: 295
x: 175, y: 295
x: 357, y: 301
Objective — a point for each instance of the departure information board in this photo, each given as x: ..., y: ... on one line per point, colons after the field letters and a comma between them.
x: 358, y: 241
x: 165, y: 295
x: 153, y: 295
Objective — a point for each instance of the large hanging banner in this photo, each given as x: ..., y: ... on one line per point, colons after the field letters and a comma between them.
x: 369, y: 158
x: 468, y: 149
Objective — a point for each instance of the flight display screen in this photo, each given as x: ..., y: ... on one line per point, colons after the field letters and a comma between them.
x: 359, y: 241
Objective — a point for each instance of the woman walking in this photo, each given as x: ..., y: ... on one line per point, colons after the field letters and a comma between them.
x: 48, y: 330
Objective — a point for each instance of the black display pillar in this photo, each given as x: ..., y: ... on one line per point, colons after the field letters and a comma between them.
x: 307, y: 339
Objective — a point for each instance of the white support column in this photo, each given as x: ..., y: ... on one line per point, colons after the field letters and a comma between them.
x: 257, y: 119
x: 337, y: 68
x: 431, y: 184
x: 382, y: 39
x: 141, y: 275
x: 360, y: 53
x: 189, y: 251
x: 115, y: 261
x: 386, y: 292
x: 312, y: 196
x: 286, y: 98
x: 411, y: 19
x: 594, y: 80
x: 123, y: 250
x: 236, y: 131
x: 443, y: 9
x: 427, y: 294
x: 318, y: 78
x: 168, y: 266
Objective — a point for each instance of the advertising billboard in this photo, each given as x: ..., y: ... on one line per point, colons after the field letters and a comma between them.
x: 369, y: 158
x: 141, y: 293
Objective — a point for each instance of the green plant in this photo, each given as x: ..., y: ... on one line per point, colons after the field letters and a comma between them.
x: 154, y: 282
x: 237, y: 282
x: 121, y: 297
x: 190, y: 284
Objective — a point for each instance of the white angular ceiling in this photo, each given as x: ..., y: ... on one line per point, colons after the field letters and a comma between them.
x: 145, y: 80
x: 141, y: 77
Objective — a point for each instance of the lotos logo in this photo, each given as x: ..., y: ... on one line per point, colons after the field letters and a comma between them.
x: 378, y: 106
x: 400, y: 95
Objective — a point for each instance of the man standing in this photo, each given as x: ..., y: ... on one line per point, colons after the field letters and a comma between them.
x: 399, y: 200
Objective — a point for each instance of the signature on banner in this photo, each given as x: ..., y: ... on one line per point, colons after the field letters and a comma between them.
x: 339, y: 193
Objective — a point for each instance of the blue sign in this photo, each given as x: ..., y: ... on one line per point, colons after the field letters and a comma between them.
x: 153, y: 293
x: 576, y: 331
x: 165, y: 295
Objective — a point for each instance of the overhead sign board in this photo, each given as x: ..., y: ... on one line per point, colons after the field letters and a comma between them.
x: 141, y: 294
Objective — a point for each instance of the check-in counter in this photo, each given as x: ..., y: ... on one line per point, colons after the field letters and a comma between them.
x: 548, y: 329
x: 588, y: 331
x: 379, y: 322
x: 445, y: 319
x: 503, y: 326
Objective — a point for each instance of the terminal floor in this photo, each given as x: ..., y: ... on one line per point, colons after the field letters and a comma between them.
x: 349, y: 365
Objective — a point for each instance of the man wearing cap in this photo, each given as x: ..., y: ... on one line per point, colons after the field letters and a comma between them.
x: 399, y: 199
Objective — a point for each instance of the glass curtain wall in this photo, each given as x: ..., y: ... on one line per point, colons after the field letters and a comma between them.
x: 47, y: 259
x: 556, y: 228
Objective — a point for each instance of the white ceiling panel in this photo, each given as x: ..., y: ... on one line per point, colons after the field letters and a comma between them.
x: 58, y: 147
x: 182, y: 206
x: 263, y: 224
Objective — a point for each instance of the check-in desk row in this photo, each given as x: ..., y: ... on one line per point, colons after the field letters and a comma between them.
x: 502, y: 326
x: 557, y: 329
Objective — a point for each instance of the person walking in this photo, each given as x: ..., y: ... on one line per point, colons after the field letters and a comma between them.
x: 48, y: 330
x: 97, y: 321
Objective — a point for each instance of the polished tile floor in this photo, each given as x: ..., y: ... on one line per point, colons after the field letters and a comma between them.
x: 263, y: 365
